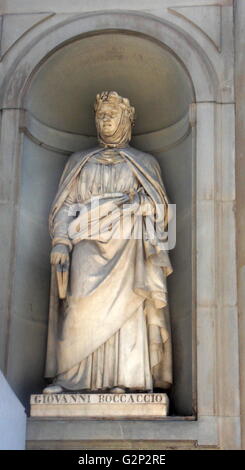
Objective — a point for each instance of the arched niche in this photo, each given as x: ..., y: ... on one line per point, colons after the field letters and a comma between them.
x: 23, y: 331
x: 57, y: 120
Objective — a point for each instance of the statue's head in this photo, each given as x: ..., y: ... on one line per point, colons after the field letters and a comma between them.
x: 114, y: 119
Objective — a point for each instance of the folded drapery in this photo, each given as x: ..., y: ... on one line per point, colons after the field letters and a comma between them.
x: 115, y: 281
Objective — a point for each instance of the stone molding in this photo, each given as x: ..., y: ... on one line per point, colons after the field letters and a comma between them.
x: 206, y: 18
x: 61, y: 6
x: 204, y: 67
x: 14, y: 27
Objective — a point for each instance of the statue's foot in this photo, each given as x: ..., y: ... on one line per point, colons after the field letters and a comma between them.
x: 117, y: 390
x: 53, y: 389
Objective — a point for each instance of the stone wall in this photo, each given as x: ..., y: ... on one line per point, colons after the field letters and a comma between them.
x: 12, y: 419
x: 240, y: 188
x: 200, y: 34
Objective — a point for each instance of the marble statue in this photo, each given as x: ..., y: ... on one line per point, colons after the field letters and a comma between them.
x: 109, y: 327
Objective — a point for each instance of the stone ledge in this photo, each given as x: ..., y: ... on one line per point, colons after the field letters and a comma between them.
x: 68, y: 432
x: 114, y: 445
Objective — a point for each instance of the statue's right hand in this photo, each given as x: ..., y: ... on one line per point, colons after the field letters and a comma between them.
x: 59, y: 254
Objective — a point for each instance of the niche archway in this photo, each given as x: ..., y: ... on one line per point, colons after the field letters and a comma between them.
x: 57, y: 120
x: 23, y: 330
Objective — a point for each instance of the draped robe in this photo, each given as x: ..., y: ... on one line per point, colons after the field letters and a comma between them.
x: 113, y: 329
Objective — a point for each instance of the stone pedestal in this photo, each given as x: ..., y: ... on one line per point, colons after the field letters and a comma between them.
x: 111, y: 405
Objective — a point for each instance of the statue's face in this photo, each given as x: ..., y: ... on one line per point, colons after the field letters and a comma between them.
x: 108, y: 118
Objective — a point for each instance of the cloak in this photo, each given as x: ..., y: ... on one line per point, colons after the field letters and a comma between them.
x: 147, y: 170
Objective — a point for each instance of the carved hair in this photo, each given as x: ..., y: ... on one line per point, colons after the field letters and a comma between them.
x: 113, y: 98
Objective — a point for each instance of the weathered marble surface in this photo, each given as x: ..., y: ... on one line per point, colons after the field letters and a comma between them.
x: 104, y: 405
x: 116, y: 329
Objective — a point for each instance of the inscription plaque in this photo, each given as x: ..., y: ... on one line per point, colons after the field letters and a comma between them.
x: 95, y: 405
